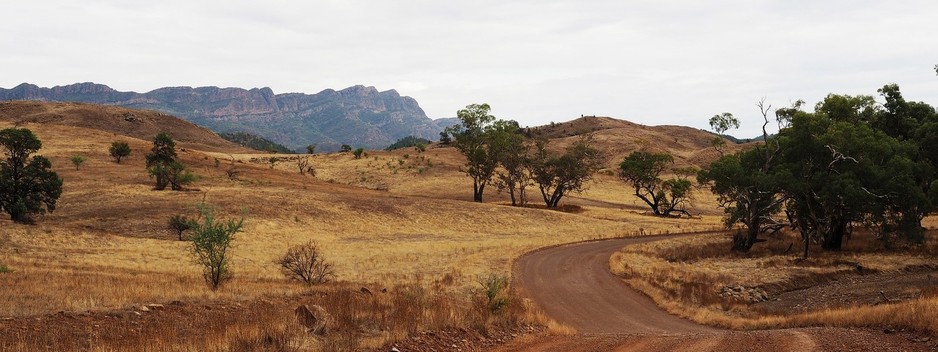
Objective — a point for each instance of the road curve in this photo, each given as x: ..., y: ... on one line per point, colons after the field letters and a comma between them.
x: 573, y: 285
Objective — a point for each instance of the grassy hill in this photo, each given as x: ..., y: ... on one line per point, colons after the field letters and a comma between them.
x: 392, y: 218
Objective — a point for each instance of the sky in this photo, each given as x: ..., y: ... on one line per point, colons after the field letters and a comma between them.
x: 651, y: 62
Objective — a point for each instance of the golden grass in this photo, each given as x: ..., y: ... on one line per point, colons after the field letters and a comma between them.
x: 110, y: 223
x: 684, y: 276
x: 358, y: 321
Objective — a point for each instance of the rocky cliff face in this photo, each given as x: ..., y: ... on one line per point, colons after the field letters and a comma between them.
x: 358, y: 116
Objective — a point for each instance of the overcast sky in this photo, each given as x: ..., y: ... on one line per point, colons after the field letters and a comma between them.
x: 652, y: 62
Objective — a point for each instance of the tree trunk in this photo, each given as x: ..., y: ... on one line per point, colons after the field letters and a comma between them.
x: 477, y: 190
x: 511, y: 193
x: 743, y: 242
x: 833, y: 241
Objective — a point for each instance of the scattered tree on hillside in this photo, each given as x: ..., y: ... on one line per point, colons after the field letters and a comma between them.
x: 720, y: 124
x: 160, y: 158
x: 174, y: 174
x: 179, y: 224
x: 358, y: 153
x: 119, y: 150
x: 346, y: 148
x: 305, y: 263
x: 558, y: 175
x: 409, y: 141
x: 471, y: 138
x: 512, y: 153
x: 311, y: 149
x: 77, y: 160
x: 643, y: 170
x: 211, y: 239
x: 27, y: 185
x: 445, y: 139
x: 303, y: 166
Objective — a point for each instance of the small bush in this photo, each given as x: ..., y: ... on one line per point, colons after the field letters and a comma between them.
x: 119, y: 150
x: 77, y: 160
x: 5, y: 269
x: 305, y: 263
x: 180, y: 224
x: 211, y: 240
x: 494, y: 288
x: 358, y: 153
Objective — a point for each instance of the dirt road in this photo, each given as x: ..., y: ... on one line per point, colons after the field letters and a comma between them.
x: 574, y: 286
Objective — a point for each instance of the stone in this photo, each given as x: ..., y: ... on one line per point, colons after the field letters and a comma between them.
x: 155, y: 306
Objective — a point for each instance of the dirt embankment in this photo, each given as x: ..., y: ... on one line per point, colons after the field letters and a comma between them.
x: 573, y: 285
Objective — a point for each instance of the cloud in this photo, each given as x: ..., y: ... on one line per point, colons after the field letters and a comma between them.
x: 654, y: 62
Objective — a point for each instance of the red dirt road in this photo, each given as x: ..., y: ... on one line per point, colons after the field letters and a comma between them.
x: 573, y: 285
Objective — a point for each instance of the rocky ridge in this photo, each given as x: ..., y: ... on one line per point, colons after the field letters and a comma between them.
x: 358, y: 115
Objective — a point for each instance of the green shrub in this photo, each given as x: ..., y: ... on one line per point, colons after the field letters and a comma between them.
x: 77, y: 160
x: 494, y: 288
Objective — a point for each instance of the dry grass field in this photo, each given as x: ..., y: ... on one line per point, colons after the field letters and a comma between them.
x: 770, y: 287
x: 391, y: 219
x: 401, y: 221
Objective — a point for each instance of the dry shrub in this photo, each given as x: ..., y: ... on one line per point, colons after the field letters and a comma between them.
x: 685, y: 275
x: 360, y: 321
x: 305, y: 263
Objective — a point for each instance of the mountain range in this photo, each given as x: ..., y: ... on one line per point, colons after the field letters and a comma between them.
x: 357, y: 116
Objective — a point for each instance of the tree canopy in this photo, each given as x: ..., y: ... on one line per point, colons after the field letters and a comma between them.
x: 27, y: 185
x: 643, y: 169
x: 851, y: 162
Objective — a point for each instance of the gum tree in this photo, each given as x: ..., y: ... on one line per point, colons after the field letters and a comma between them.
x: 27, y: 184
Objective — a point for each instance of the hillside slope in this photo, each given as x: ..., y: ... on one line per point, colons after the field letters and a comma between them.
x: 358, y: 115
x: 141, y: 124
x: 689, y: 146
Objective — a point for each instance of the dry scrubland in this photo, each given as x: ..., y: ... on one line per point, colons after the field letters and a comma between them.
x: 399, y: 220
x: 690, y: 277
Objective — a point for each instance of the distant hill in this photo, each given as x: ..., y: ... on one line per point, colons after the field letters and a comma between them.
x: 255, y: 142
x: 135, y: 123
x: 690, y: 146
x: 358, y: 115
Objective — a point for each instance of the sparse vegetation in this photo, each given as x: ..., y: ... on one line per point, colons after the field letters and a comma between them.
x: 77, y: 161
x: 211, y: 239
x: 495, y: 287
x: 27, y: 185
x: 180, y: 224
x: 345, y: 148
x: 119, y: 150
x: 311, y: 149
x: 305, y: 263
x: 358, y: 153
x: 697, y: 278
